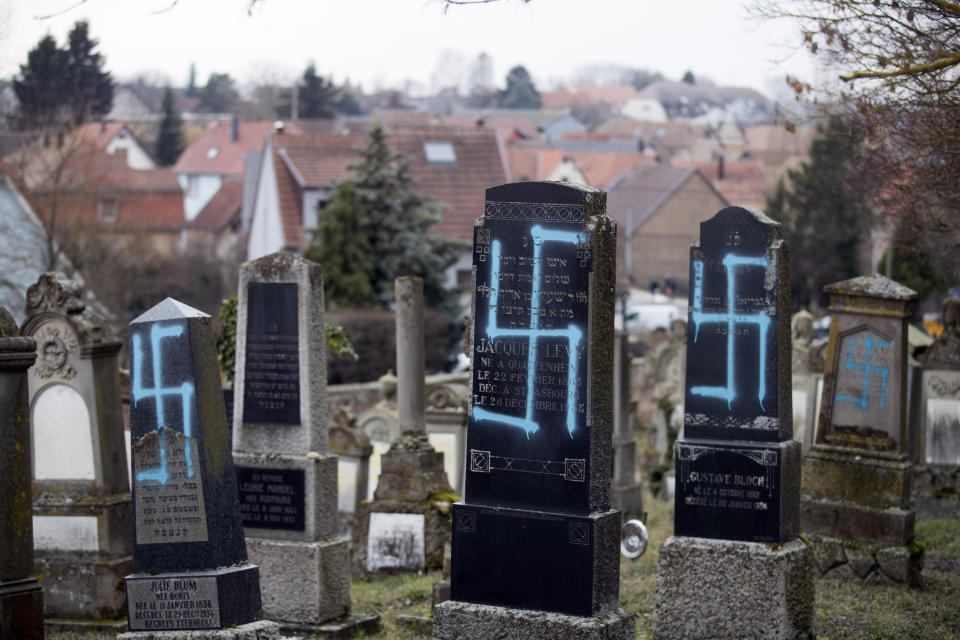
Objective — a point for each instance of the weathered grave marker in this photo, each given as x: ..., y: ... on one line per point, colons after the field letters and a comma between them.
x: 857, y: 475
x: 190, y: 560
x: 21, y: 597
x: 626, y: 493
x: 535, y: 531
x: 287, y: 478
x: 737, y: 470
x: 82, y: 509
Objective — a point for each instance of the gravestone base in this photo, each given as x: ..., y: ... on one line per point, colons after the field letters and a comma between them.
x: 21, y: 609
x: 496, y: 549
x: 628, y: 500
x: 454, y: 620
x: 82, y: 585
x: 215, y: 599
x: 302, y: 582
x: 936, y: 491
x: 436, y: 518
x: 724, y: 589
x: 868, y: 563
x: 343, y: 628
x: 820, y: 516
x: 259, y: 630
x: 866, y: 480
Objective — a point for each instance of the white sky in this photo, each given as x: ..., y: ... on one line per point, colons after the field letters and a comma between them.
x: 380, y: 43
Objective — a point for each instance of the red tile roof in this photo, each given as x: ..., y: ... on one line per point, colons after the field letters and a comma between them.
x: 598, y: 167
x: 228, y: 159
x: 291, y: 200
x: 221, y: 209
x: 743, y: 182
x: 319, y: 159
x: 613, y: 95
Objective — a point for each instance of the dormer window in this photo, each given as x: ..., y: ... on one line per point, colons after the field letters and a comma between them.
x: 107, y: 210
x: 439, y: 152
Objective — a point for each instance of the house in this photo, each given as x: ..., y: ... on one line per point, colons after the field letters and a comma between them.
x: 707, y: 103
x: 644, y: 108
x: 597, y: 168
x: 214, y: 157
x: 216, y: 231
x: 741, y: 182
x: 612, y: 96
x: 298, y: 173
x: 659, y: 209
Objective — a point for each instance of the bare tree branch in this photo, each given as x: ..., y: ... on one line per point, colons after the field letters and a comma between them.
x: 61, y: 12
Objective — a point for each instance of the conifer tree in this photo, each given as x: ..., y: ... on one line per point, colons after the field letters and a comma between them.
x: 170, y: 139
x: 520, y: 92
x: 376, y: 228
x: 91, y: 88
x: 317, y: 96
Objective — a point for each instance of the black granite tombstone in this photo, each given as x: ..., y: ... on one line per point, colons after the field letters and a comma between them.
x: 539, y: 430
x: 736, y: 463
x: 190, y: 561
x: 272, y: 369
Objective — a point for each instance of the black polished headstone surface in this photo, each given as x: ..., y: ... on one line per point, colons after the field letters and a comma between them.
x: 272, y: 498
x: 529, y: 445
x: 188, y: 536
x: 272, y: 371
x: 736, y: 388
x: 737, y: 471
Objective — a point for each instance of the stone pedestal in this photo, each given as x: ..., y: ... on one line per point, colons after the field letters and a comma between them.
x: 858, y: 476
x: 455, y: 620
x: 286, y: 477
x: 743, y: 590
x: 260, y: 630
x: 21, y: 598
x: 82, y: 510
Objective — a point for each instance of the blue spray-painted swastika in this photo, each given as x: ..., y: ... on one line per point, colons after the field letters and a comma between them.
x: 731, y: 263
x: 867, y: 367
x: 157, y: 392
x: 572, y: 333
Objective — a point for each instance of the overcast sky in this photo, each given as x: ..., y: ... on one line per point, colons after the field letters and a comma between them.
x: 380, y: 43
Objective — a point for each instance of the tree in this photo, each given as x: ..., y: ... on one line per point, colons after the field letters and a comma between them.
x: 520, y: 92
x: 688, y: 77
x: 897, y: 61
x: 480, y: 90
x: 191, y: 90
x: 170, y: 139
x: 219, y: 95
x: 91, y: 88
x: 376, y: 228
x: 824, y: 213
x: 40, y: 85
x: 317, y: 97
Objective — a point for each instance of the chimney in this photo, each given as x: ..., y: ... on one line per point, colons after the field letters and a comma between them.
x: 278, y: 126
x: 234, y: 129
x: 720, y: 167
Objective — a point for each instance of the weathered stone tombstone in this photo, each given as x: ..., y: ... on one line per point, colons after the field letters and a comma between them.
x: 407, y: 523
x: 937, y: 487
x: 190, y: 560
x: 535, y: 542
x: 21, y: 597
x: 626, y: 493
x: 857, y: 475
x: 353, y: 450
x: 735, y: 567
x: 82, y: 508
x: 286, y: 476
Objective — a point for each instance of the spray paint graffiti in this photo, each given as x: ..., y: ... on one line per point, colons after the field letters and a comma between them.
x: 185, y: 391
x: 573, y: 334
x: 869, y: 342
x: 732, y: 263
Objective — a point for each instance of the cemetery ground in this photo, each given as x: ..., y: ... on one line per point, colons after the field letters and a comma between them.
x: 845, y: 610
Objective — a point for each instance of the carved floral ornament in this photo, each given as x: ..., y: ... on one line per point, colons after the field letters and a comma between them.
x: 54, y: 292
x: 55, y: 344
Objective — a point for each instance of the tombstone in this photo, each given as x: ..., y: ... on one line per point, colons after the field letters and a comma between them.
x: 535, y: 542
x: 801, y: 332
x: 81, y: 491
x: 286, y: 475
x: 735, y: 567
x: 857, y: 474
x: 626, y: 494
x: 407, y: 523
x: 189, y: 557
x: 21, y: 597
x: 939, y: 438
x: 353, y: 450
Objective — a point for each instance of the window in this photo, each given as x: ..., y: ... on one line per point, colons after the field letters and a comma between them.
x: 439, y: 152
x: 107, y: 210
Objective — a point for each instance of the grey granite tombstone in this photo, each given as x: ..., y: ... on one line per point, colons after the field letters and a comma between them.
x: 406, y: 525
x: 190, y: 560
x: 21, y: 597
x: 857, y: 475
x: 735, y: 567
x: 286, y: 475
x: 936, y: 489
x: 626, y: 494
x: 82, y: 509
x: 535, y: 542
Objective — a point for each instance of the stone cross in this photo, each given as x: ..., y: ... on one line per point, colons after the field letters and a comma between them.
x: 535, y: 530
x: 21, y: 597
x: 190, y: 560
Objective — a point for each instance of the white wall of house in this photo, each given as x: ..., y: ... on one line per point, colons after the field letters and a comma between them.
x: 567, y: 171
x: 311, y: 200
x: 137, y: 156
x: 198, y: 189
x: 646, y: 109
x: 266, y: 228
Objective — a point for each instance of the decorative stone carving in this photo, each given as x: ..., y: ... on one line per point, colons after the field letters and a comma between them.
x: 945, y: 352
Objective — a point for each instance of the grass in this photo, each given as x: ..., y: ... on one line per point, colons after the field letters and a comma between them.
x: 845, y: 611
